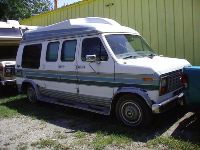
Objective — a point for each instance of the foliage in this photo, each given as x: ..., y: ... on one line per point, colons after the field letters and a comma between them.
x: 20, y: 9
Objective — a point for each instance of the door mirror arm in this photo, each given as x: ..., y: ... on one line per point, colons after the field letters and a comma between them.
x: 91, y: 58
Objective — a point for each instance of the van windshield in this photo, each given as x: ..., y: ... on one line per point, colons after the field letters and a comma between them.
x: 128, y: 46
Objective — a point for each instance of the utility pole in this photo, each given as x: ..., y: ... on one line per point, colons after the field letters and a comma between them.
x: 55, y: 4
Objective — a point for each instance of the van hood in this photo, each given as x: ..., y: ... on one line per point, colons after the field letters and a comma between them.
x: 158, y: 64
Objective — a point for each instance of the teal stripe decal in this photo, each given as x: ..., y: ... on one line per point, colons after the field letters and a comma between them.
x: 87, y: 79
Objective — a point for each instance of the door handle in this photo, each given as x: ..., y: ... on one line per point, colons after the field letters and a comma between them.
x: 60, y: 66
x: 80, y: 67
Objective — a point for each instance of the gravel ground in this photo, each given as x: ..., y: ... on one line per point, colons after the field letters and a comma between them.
x: 25, y: 132
x: 22, y: 132
x: 47, y: 126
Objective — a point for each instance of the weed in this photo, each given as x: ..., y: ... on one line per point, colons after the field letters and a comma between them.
x: 172, y: 143
x: 48, y: 143
x: 59, y: 135
x: 79, y: 134
x: 102, y: 140
x: 22, y: 146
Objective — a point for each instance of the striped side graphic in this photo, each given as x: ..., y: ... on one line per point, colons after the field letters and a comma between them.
x: 92, y: 79
x: 79, y: 98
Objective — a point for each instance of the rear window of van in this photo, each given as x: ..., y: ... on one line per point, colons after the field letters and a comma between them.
x: 31, y: 56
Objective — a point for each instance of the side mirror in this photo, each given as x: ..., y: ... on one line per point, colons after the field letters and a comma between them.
x: 90, y: 58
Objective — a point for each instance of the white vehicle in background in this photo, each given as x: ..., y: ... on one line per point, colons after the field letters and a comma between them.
x: 96, y: 64
x: 10, y: 36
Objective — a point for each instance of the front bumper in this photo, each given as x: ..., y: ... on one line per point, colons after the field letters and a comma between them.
x: 8, y: 82
x: 161, y: 107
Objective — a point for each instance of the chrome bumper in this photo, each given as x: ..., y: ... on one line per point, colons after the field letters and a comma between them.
x: 8, y: 82
x: 159, y: 108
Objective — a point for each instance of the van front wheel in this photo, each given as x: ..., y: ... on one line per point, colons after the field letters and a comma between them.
x: 31, y: 94
x: 132, y: 111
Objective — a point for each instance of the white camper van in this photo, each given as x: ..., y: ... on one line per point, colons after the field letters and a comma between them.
x: 96, y: 64
x: 10, y: 36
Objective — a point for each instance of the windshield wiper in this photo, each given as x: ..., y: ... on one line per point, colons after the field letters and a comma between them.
x: 131, y: 56
x: 151, y: 55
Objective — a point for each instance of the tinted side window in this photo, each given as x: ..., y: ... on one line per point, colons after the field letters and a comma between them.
x: 31, y: 56
x: 52, y: 51
x: 94, y: 46
x: 68, y: 50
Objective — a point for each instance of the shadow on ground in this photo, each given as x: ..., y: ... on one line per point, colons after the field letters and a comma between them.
x: 189, y: 129
x: 90, y: 122
x: 8, y: 91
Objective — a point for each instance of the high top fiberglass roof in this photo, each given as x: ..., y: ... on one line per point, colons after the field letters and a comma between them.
x: 75, y: 27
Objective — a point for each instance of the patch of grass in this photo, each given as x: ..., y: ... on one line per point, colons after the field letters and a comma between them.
x: 44, y: 143
x: 59, y: 135
x: 80, y: 134
x: 22, y: 146
x: 171, y: 143
x: 10, y: 99
x: 7, y: 112
x: 102, y: 140
x: 48, y: 143
x: 9, y: 107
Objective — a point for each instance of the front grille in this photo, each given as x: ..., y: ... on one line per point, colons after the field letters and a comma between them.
x: 9, y: 70
x: 173, y: 80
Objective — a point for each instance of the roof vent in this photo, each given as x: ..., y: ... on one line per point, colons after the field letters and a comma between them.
x: 93, y: 20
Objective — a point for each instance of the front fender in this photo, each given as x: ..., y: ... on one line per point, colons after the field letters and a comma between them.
x: 136, y: 91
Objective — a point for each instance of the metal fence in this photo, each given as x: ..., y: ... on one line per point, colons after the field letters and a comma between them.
x: 172, y: 27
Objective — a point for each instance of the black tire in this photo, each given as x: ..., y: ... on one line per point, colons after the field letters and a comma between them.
x: 31, y: 94
x: 133, y: 111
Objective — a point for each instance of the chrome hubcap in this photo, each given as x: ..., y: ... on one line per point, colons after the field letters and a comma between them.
x: 131, y: 113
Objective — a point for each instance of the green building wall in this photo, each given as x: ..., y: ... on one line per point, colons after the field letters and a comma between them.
x: 171, y: 27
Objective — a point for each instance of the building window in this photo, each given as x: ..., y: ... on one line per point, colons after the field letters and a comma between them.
x: 68, y: 50
x: 94, y: 46
x: 52, y: 51
x: 31, y: 56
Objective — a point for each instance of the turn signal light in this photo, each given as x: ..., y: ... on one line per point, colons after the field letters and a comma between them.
x: 163, y: 90
x: 184, y: 80
x: 1, y: 68
x: 147, y: 79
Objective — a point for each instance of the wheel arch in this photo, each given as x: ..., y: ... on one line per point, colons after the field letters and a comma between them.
x: 130, y: 91
x: 27, y: 83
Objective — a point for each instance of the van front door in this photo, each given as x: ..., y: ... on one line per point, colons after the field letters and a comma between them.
x: 95, y: 78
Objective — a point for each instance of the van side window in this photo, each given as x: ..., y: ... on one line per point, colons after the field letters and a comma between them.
x: 94, y: 46
x: 68, y: 50
x: 31, y: 56
x: 52, y: 51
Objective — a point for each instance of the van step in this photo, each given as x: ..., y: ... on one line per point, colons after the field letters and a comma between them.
x: 83, y: 106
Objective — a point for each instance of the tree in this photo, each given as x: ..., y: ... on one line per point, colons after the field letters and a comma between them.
x: 20, y: 9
